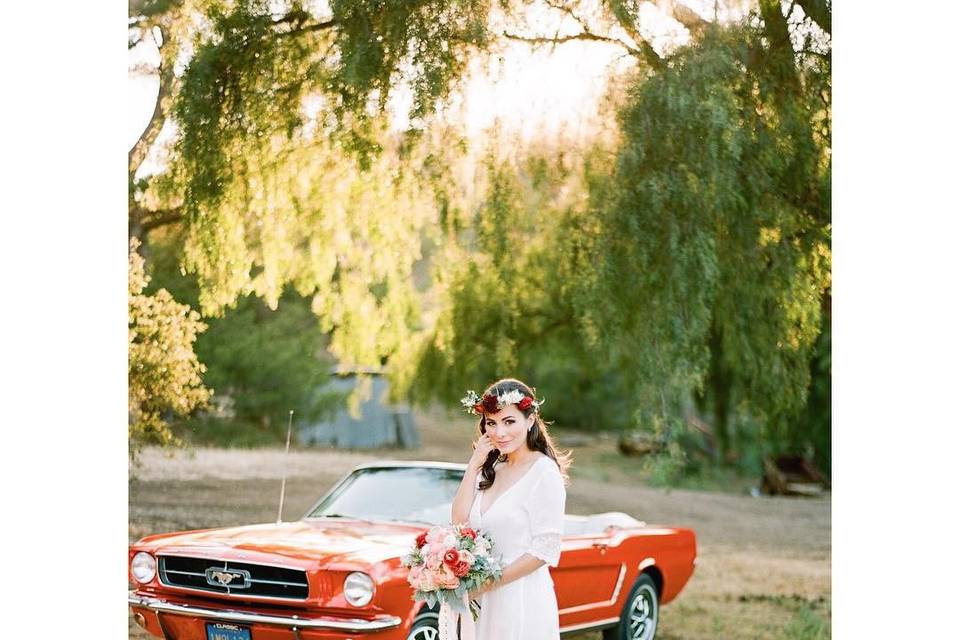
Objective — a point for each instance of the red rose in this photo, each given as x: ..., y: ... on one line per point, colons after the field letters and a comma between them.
x: 451, y: 558
x: 467, y: 531
x: 490, y: 403
x: 525, y: 403
x: 461, y: 569
x: 421, y: 539
x: 478, y: 407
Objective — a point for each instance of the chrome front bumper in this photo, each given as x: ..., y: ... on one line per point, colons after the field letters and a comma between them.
x: 358, y: 625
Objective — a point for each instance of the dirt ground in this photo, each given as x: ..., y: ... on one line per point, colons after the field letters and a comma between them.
x: 764, y: 563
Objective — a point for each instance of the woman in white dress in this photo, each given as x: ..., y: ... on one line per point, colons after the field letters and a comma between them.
x: 514, y: 489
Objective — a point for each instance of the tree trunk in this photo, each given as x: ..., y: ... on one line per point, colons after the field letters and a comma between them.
x: 719, y: 382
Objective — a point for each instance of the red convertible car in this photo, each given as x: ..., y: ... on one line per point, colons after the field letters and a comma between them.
x: 336, y: 573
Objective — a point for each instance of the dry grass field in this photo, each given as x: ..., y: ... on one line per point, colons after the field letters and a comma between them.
x: 764, y: 563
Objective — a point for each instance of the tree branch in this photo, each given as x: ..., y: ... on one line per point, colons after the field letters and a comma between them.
x: 161, y: 219
x: 811, y: 52
x: 151, y: 8
x: 142, y: 69
x: 683, y: 14
x: 583, y: 35
x: 645, y: 52
x: 142, y: 221
x: 780, y: 50
x: 567, y: 10
x: 138, y: 153
x: 819, y: 11
x: 648, y: 53
x: 306, y: 28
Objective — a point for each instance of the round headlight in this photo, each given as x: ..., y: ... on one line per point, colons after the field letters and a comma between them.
x: 143, y: 567
x: 358, y: 588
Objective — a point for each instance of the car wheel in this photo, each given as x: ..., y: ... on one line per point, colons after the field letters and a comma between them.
x: 425, y: 626
x: 638, y: 621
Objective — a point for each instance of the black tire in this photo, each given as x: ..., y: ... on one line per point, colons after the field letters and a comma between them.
x: 640, y: 615
x: 425, y: 625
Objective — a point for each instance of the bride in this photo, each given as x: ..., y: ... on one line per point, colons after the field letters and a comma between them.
x: 514, y: 489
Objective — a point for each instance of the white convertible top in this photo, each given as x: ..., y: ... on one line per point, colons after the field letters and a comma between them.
x: 574, y: 525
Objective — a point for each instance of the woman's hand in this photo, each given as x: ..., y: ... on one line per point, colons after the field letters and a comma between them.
x: 479, y: 591
x: 481, y: 449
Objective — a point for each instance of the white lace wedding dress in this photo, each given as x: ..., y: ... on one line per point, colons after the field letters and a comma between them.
x: 526, y: 518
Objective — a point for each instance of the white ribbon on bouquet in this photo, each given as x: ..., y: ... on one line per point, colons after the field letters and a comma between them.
x: 448, y: 623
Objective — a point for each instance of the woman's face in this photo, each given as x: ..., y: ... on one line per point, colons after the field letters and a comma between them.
x: 508, y: 428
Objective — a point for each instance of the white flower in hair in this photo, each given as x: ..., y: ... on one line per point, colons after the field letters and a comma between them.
x: 514, y: 396
x: 470, y: 400
x: 477, y: 404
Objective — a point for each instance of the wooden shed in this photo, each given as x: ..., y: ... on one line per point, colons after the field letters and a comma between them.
x: 380, y: 424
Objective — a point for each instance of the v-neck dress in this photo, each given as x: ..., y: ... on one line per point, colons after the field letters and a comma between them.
x: 526, y: 518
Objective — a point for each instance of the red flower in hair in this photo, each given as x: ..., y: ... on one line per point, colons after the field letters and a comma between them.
x: 524, y: 404
x: 490, y: 403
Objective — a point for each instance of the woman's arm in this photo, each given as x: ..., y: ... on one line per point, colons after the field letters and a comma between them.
x: 460, y: 511
x: 520, y: 567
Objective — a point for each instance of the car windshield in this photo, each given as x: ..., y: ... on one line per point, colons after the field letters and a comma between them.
x: 410, y: 494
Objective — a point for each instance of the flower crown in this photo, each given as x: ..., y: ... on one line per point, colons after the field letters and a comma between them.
x: 490, y: 403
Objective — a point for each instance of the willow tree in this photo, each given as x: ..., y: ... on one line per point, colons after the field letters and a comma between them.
x: 703, y: 254
x: 282, y: 168
x: 699, y: 267
x: 715, y: 246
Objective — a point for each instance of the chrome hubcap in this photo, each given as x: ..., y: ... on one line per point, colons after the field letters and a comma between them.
x: 424, y: 633
x: 643, y: 614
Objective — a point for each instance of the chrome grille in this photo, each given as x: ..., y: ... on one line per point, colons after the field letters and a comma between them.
x: 263, y: 581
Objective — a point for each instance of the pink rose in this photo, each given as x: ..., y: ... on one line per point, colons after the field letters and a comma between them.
x: 414, y: 575
x: 447, y: 579
x: 427, y: 582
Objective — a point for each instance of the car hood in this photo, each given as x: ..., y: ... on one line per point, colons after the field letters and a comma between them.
x: 308, y: 543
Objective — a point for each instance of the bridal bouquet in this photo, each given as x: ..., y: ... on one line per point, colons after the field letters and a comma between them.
x: 447, y: 562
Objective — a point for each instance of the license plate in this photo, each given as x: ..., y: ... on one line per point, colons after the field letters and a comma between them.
x: 224, y: 631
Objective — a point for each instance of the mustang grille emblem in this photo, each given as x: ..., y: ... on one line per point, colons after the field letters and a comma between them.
x: 235, y: 578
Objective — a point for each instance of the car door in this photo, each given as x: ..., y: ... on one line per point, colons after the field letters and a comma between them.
x: 589, y: 578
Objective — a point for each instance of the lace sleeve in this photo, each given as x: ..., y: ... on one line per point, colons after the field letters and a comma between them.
x: 545, y: 510
x: 546, y: 546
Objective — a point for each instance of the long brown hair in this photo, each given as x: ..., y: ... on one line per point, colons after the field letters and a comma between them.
x: 538, y: 438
